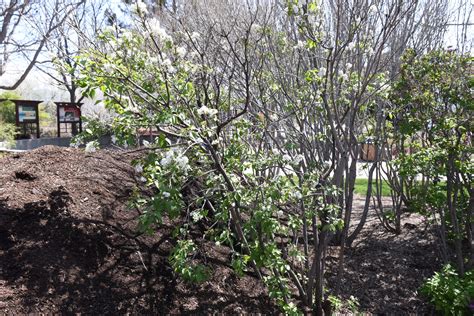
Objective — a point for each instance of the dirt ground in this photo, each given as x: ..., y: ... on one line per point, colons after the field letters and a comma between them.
x: 68, y: 244
x: 384, y: 271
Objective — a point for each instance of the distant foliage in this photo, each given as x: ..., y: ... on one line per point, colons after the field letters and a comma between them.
x: 7, y: 108
x: 7, y: 118
x: 7, y: 134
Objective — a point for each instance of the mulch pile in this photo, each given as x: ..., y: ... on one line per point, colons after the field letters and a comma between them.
x: 68, y: 244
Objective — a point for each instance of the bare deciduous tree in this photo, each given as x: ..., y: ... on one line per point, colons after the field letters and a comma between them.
x: 26, y: 25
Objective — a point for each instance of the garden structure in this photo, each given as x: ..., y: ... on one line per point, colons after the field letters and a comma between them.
x: 27, y: 118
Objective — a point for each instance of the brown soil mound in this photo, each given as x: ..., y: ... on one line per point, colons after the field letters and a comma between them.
x: 69, y: 245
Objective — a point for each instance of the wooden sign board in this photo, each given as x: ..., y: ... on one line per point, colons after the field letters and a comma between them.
x: 69, y: 118
x: 27, y: 118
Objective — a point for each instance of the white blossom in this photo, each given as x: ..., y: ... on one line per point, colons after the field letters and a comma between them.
x: 299, y: 158
x: 195, y: 35
x: 75, y: 143
x: 181, y: 51
x: 128, y: 35
x: 167, y: 63
x: 182, y: 162
x: 297, y: 195
x: 216, y: 141
x: 296, y: 9
x: 166, y: 194
x: 91, y: 147
x: 349, y: 66
x: 255, y: 28
x: 167, y: 159
x: 109, y: 29
x: 109, y: 68
x: 138, y: 168
x: 286, y: 157
x: 204, y: 110
x: 175, y: 157
x: 300, y: 45
x: 157, y: 30
x: 351, y: 45
x: 248, y: 172
x: 322, y: 72
x: 386, y: 50
x: 342, y: 75
x: 140, y: 7
x: 373, y: 9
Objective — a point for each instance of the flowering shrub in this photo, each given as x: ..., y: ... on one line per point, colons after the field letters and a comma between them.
x: 154, y: 81
x: 256, y: 131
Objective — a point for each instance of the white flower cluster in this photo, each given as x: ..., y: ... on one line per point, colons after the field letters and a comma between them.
x: 155, y: 28
x: 195, y: 36
x: 300, y: 45
x: 255, y: 28
x: 109, y: 29
x: 177, y: 158
x: 373, y: 9
x: 322, y: 72
x: 92, y: 147
x: 299, y: 158
x: 108, y: 68
x: 296, y: 8
x: 248, y: 172
x: 163, y: 61
x: 297, y: 195
x: 76, y: 142
x: 342, y: 75
x: 204, y: 110
x: 351, y: 45
x: 126, y: 35
x: 138, y: 168
x: 181, y: 51
x: 140, y: 7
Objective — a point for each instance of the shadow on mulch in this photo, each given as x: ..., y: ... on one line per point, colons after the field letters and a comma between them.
x: 58, y: 256
x: 384, y: 271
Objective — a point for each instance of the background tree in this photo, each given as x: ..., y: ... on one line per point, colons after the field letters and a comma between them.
x: 26, y: 25
x: 66, y: 43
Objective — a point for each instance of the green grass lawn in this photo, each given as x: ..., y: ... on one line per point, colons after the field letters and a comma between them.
x: 361, y: 187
